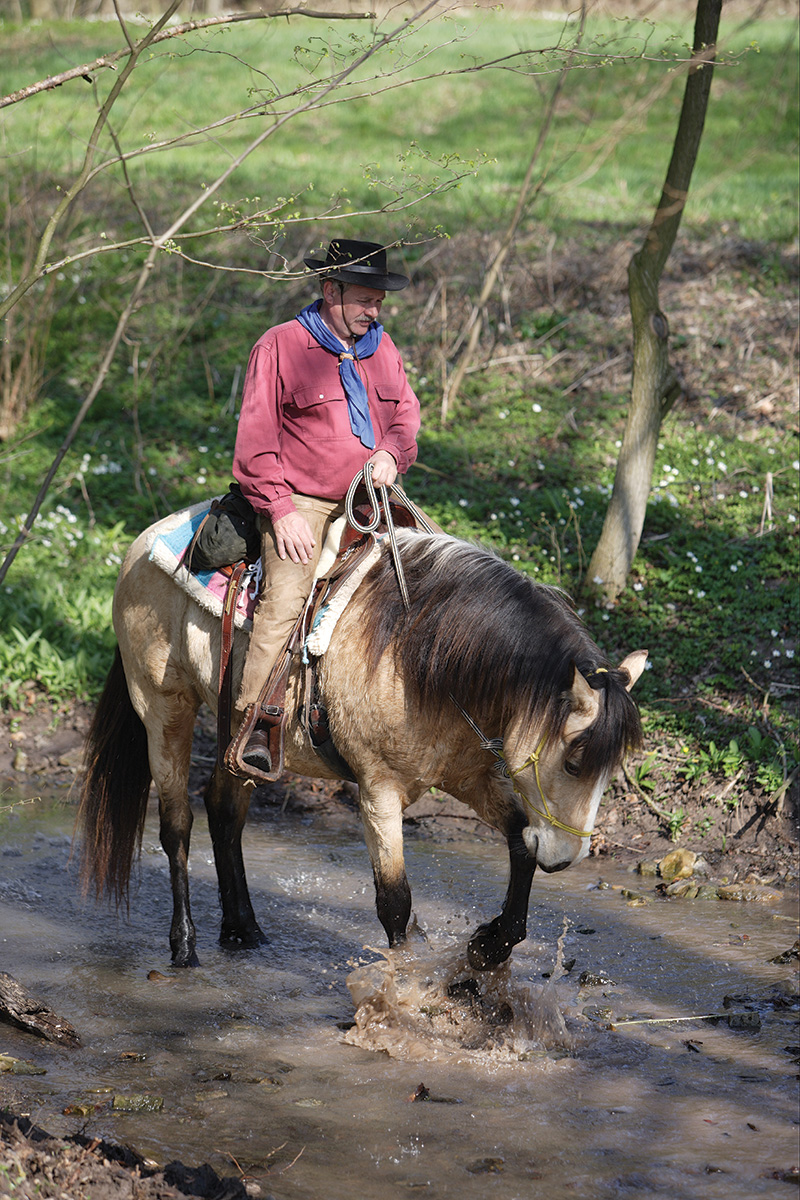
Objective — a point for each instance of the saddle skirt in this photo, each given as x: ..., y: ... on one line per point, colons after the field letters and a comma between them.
x: 170, y: 537
x: 168, y: 541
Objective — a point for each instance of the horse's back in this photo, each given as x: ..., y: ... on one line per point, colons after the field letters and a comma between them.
x: 167, y: 641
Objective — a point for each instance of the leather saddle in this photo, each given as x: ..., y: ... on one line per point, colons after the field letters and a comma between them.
x: 344, y: 551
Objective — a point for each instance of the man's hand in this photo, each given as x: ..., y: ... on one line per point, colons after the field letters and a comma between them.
x: 293, y: 537
x: 384, y: 468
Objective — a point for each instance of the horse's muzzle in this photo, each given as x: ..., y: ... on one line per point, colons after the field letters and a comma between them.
x: 554, y: 850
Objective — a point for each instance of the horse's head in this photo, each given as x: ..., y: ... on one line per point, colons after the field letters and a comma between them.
x: 561, y: 777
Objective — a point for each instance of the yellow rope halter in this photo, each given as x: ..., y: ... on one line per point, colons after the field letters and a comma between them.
x: 495, y: 747
x: 548, y: 816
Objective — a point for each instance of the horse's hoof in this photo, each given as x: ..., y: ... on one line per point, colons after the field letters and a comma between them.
x: 248, y: 940
x: 187, y: 958
x: 484, y: 951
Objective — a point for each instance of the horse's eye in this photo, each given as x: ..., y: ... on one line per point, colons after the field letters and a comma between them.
x: 572, y: 768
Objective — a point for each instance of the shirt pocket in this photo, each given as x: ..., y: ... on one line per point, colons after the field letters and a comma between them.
x: 316, y: 412
x: 314, y: 394
x: 387, y: 390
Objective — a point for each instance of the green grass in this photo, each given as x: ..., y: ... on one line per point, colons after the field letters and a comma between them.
x: 605, y: 158
x: 524, y: 465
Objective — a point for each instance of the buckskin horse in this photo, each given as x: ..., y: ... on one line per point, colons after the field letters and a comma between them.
x: 482, y: 683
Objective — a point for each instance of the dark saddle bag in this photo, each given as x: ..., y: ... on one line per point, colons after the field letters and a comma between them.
x: 228, y: 534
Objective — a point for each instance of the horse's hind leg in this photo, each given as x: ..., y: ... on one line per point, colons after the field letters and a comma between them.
x: 227, y: 800
x: 169, y: 733
x: 492, y: 944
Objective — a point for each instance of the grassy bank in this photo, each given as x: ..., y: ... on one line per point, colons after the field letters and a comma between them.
x: 526, y: 460
x: 605, y: 156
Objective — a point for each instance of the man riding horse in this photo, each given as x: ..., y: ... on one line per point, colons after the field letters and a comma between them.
x: 325, y: 394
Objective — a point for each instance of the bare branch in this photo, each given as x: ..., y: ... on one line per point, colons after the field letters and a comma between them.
x: 162, y: 241
x: 475, y: 320
x: 107, y: 61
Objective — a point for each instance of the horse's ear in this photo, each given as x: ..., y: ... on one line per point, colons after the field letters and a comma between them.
x: 582, y: 697
x: 634, y: 665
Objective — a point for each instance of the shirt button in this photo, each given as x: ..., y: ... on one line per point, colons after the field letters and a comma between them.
x: 322, y: 395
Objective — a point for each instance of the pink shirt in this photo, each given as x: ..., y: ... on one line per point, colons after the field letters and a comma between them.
x: 294, y: 432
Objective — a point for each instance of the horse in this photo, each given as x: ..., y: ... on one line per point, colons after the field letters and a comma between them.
x: 479, y: 682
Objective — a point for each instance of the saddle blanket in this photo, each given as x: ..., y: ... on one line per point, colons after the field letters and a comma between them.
x: 170, y: 539
x: 171, y: 536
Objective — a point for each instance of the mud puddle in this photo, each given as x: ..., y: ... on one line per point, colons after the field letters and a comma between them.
x: 320, y: 1068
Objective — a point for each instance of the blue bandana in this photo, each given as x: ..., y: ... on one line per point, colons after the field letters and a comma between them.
x: 354, y: 390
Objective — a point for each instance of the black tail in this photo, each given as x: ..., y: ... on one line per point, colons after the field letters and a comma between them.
x: 115, y: 790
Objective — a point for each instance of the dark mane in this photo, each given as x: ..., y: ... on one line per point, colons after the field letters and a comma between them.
x: 495, y: 640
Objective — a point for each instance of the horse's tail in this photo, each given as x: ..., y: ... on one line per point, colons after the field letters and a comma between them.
x: 116, y: 786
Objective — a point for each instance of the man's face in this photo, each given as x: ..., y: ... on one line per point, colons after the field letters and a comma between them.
x: 350, y: 309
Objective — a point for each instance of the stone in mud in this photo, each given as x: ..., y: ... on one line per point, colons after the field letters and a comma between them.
x: 81, y: 1108
x: 678, y: 864
x: 596, y: 979
x: 18, y: 1066
x: 598, y: 1013
x: 749, y: 1021
x: 682, y: 888
x: 486, y: 1166
x: 138, y: 1102
x: 647, y: 869
x: 787, y: 956
x: 634, y: 899
x: 741, y: 891
x: 707, y: 891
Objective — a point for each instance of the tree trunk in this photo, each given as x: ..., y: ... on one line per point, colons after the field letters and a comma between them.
x: 655, y: 385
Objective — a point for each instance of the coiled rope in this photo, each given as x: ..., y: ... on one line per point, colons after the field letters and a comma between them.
x: 371, y: 524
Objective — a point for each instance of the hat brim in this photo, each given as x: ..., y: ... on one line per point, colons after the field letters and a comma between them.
x: 389, y: 281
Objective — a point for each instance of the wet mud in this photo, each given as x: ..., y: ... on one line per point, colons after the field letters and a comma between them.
x: 636, y: 1044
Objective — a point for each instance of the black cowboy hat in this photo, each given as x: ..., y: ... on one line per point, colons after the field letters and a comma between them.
x: 358, y: 262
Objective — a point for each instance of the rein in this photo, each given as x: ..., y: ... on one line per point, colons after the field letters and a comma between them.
x: 495, y: 747
x: 374, y: 520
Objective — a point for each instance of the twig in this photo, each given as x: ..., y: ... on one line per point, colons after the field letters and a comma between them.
x: 660, y: 812
x: 108, y: 60
x: 779, y: 795
x: 620, y: 845
x: 669, y: 1020
x: 472, y: 328
x: 766, y: 513
x: 283, y: 1170
x: 598, y: 370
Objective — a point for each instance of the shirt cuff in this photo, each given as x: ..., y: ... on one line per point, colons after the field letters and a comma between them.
x: 280, y: 508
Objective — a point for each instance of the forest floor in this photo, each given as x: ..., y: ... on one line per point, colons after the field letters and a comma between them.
x: 754, y: 844
x: 761, y: 852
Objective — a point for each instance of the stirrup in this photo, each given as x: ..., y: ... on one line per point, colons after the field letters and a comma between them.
x: 269, y: 719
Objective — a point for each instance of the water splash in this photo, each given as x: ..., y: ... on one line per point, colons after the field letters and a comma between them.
x: 419, y: 1003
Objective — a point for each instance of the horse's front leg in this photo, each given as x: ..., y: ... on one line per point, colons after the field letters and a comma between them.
x: 492, y: 944
x: 382, y: 818
x: 227, y: 800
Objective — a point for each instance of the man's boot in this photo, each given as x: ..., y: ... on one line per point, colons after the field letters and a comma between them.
x: 257, y: 752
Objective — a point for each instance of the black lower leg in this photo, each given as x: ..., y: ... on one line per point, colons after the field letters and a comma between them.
x: 393, y: 902
x: 492, y: 943
x: 226, y: 804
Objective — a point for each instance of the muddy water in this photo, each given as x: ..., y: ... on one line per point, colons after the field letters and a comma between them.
x: 529, y: 1091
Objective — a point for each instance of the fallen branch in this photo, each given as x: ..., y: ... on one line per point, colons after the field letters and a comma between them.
x: 22, y: 1009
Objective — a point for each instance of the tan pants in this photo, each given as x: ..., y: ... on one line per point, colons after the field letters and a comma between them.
x: 285, y: 590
